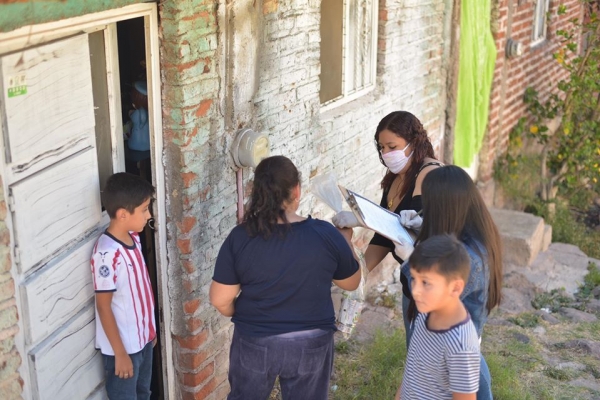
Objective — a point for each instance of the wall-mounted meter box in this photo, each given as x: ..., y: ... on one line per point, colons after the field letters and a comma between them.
x: 249, y: 148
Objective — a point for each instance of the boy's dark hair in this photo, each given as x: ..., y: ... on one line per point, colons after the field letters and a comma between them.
x: 124, y: 190
x: 444, y: 254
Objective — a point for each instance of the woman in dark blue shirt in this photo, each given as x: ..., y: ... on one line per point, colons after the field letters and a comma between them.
x: 273, y: 277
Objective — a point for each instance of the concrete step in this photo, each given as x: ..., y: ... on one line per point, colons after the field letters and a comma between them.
x: 524, y: 235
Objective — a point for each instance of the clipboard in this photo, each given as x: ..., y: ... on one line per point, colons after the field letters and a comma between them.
x: 376, y: 218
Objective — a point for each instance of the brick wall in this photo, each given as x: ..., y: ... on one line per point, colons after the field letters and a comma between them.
x: 535, y: 68
x: 203, y: 106
x: 200, y: 190
x: 10, y: 360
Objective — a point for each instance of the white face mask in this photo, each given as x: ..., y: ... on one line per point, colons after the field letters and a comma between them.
x: 396, y: 160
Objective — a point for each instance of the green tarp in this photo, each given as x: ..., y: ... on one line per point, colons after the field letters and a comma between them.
x: 476, y: 71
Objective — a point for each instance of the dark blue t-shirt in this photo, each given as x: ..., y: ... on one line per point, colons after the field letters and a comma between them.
x: 285, y: 280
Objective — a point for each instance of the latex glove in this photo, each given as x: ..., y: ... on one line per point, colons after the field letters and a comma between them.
x: 410, y: 219
x: 403, y: 250
x: 345, y: 219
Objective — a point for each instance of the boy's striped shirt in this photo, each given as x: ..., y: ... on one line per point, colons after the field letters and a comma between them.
x: 440, y: 363
x: 121, y: 269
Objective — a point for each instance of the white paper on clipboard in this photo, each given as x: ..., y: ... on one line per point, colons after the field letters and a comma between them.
x: 376, y: 218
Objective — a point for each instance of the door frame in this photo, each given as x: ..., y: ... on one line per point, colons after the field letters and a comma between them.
x: 35, y: 35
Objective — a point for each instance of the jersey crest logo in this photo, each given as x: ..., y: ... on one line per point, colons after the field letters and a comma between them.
x: 102, y: 255
x: 104, y: 271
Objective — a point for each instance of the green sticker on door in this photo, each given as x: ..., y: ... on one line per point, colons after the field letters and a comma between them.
x: 17, y: 85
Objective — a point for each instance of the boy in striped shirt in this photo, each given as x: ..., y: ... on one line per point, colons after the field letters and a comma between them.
x: 443, y: 357
x: 125, y: 325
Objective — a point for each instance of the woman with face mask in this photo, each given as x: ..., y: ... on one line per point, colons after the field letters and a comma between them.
x: 404, y: 148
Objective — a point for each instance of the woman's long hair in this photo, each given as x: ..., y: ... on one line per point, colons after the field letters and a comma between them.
x: 453, y: 205
x: 274, y: 180
x: 409, y: 128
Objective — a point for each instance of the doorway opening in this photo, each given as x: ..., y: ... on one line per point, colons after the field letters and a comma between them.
x: 132, y: 152
x: 138, y: 161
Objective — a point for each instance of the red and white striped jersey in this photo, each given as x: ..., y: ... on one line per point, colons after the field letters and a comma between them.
x: 119, y: 268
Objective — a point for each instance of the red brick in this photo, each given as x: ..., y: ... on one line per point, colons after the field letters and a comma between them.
x: 187, y: 224
x: 191, y: 306
x: 188, y: 266
x: 207, y: 389
x: 203, y: 107
x: 187, y: 286
x: 192, y: 361
x: 4, y: 236
x: 7, y: 289
x: 199, y: 377
x: 184, y: 246
x: 193, y: 342
x: 270, y: 6
x: 188, y: 177
x: 193, y: 324
x: 5, y: 260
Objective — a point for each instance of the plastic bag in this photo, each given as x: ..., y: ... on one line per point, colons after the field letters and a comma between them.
x: 325, y: 188
x: 352, y: 302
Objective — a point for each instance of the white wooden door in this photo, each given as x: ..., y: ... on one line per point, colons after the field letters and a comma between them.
x: 53, y: 194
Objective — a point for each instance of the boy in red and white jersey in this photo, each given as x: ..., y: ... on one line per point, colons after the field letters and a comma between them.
x: 125, y: 325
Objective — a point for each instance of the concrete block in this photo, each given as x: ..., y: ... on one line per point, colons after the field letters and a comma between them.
x: 547, y: 240
x: 561, y: 266
x: 522, y: 235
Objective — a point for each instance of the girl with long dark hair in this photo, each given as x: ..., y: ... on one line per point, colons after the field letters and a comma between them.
x: 453, y: 205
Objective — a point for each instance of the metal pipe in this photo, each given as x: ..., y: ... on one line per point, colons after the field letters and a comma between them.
x: 240, y: 195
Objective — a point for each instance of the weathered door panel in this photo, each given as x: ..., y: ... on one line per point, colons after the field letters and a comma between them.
x: 55, y: 207
x: 57, y: 292
x: 67, y: 365
x: 53, y: 116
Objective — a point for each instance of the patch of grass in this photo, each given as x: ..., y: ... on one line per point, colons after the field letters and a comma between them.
x: 388, y: 300
x: 591, y: 281
x: 506, y: 379
x: 559, y: 374
x: 593, y: 276
x: 589, y: 330
x: 593, y: 370
x: 567, y: 229
x: 526, y: 320
x: 519, y: 180
x: 509, y: 364
x: 342, y: 347
x: 553, y: 300
x: 372, y: 372
x: 521, y: 372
